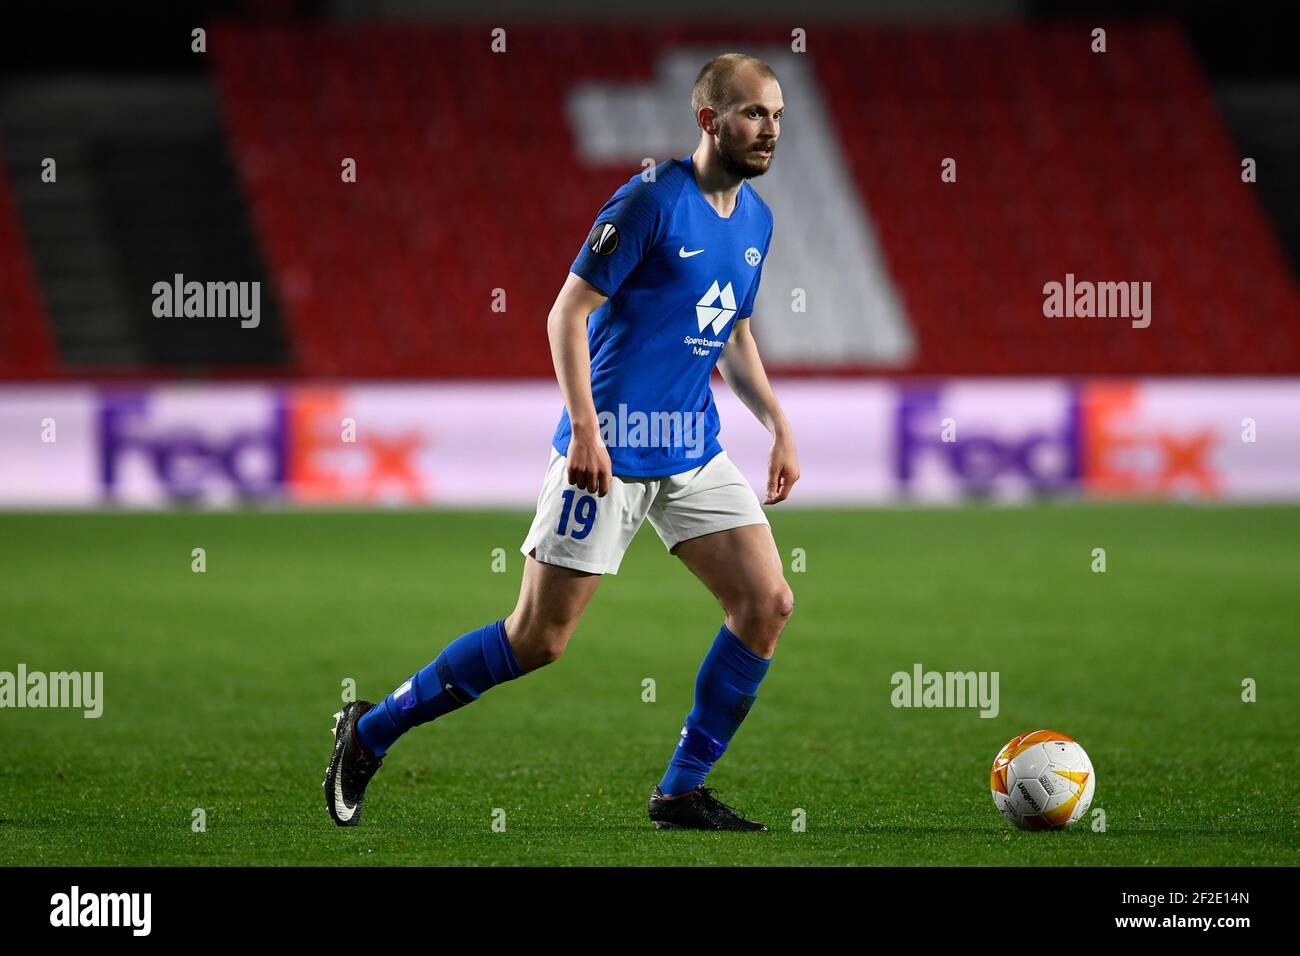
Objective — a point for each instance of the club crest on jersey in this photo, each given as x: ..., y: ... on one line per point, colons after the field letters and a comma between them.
x: 603, y: 239
x: 753, y: 256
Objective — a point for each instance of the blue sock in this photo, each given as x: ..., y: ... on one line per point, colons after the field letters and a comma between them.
x: 724, y: 691
x: 466, y: 668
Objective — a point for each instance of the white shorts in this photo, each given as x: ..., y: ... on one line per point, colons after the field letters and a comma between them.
x: 576, y: 529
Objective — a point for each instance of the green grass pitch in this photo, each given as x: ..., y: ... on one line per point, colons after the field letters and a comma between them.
x: 219, y: 689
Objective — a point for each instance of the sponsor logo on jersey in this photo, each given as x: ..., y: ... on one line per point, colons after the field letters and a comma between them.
x: 709, y: 312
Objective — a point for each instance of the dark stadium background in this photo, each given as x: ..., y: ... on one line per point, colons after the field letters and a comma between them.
x: 1175, y: 447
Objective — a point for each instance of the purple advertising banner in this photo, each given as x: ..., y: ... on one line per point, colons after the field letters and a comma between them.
x: 486, y: 445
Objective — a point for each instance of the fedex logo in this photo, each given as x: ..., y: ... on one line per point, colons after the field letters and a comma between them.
x: 330, y: 461
x: 988, y: 451
x: 1132, y: 446
x: 185, y: 453
x: 182, y: 446
x: 1102, y: 438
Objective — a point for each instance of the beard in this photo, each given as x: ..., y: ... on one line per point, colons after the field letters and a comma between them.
x: 738, y: 158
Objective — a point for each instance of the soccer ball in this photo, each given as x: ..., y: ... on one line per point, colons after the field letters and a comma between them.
x: 1042, y: 780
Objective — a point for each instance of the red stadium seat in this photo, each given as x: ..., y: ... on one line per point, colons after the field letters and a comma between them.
x: 468, y: 181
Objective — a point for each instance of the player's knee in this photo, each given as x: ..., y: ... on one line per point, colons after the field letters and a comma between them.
x: 783, y: 605
x: 531, y: 656
x: 550, y: 645
x: 766, y: 611
x: 779, y: 607
x: 537, y: 642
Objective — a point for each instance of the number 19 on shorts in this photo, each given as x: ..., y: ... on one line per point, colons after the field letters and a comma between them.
x: 583, y: 513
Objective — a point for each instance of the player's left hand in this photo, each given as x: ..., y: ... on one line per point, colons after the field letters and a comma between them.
x: 782, y: 469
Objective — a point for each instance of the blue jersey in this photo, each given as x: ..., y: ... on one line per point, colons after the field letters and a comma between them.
x: 678, y: 276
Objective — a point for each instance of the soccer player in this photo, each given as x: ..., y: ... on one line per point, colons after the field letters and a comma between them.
x: 668, y: 277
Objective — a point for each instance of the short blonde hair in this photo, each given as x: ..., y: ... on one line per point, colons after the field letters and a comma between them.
x: 713, y: 85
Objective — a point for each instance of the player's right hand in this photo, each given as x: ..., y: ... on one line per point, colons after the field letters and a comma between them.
x: 589, y: 465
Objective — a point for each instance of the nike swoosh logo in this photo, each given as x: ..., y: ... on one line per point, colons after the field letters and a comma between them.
x: 686, y: 255
x: 340, y: 805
